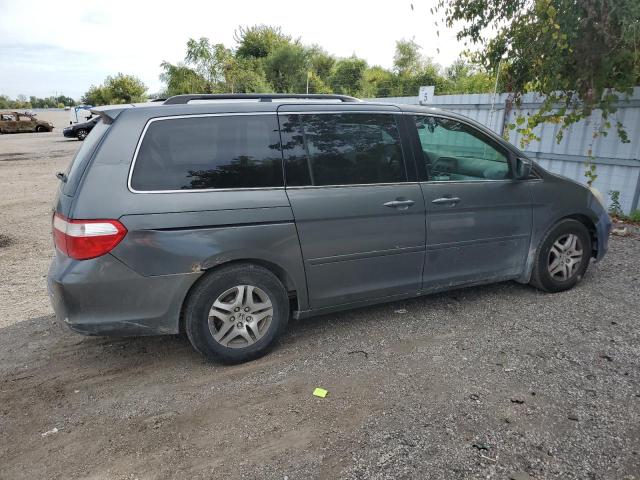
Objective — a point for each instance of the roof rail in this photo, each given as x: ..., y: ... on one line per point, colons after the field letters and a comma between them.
x: 263, y: 97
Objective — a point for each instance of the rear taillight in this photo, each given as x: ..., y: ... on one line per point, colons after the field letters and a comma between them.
x: 84, y: 239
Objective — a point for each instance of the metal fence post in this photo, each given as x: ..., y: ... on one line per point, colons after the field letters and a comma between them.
x: 636, y: 195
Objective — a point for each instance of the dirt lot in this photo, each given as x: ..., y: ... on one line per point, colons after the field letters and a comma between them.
x: 28, y: 164
x: 491, y: 382
x: 59, y: 117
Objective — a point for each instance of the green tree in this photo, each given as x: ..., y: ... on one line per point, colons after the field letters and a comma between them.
x: 265, y: 59
x: 413, y: 70
x: 67, y: 101
x: 348, y: 76
x: 320, y: 62
x: 213, y: 68
x: 34, y: 102
x: 578, y: 54
x: 208, y: 61
x: 318, y: 84
x: 116, y: 90
x: 259, y: 41
x: 181, y: 79
x: 464, y: 77
x: 378, y: 82
x: 407, y: 59
x: 287, y: 67
x: 21, y: 102
x: 96, y: 95
x: 245, y: 75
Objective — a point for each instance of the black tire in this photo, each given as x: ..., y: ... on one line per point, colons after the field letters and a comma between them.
x: 210, y: 288
x: 541, y: 276
x: 40, y: 129
x: 82, y: 134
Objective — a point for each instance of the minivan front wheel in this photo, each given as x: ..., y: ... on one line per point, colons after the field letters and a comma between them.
x: 236, y: 313
x: 563, y: 257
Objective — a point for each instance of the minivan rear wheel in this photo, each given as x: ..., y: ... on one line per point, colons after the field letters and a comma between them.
x: 563, y: 257
x: 236, y: 313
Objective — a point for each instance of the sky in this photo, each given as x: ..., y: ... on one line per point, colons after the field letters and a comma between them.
x: 53, y: 47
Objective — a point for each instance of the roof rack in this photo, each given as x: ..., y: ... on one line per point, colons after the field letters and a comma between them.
x: 263, y: 97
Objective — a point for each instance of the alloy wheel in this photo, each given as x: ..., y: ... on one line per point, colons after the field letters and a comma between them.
x: 565, y: 257
x: 240, y: 316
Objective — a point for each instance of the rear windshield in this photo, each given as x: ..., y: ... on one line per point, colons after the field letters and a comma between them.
x: 197, y: 153
x: 82, y: 157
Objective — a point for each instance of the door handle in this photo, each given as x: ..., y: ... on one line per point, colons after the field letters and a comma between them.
x: 399, y: 204
x: 446, y: 201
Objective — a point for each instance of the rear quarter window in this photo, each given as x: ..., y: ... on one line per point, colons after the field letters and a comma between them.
x: 216, y: 152
x: 82, y: 157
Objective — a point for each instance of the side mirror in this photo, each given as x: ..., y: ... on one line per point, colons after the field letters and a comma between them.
x: 523, y: 168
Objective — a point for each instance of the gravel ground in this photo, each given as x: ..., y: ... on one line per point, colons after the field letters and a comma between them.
x: 28, y: 164
x: 499, y: 381
x: 59, y: 117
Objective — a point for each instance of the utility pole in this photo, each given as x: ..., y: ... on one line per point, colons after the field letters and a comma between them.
x: 493, y: 100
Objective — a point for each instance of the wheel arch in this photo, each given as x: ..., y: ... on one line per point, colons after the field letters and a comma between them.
x: 591, y: 227
x: 533, y: 250
x: 285, y: 278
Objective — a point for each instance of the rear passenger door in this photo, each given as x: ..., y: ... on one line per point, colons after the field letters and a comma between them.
x: 478, y: 216
x: 358, y: 212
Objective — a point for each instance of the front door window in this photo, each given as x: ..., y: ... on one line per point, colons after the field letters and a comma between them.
x: 455, y: 151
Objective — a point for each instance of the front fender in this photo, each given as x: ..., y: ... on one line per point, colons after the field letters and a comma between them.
x: 555, y: 198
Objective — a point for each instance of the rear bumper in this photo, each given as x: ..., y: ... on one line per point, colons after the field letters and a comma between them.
x: 102, y: 296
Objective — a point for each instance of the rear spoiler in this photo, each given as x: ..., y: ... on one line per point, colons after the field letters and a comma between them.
x: 110, y: 112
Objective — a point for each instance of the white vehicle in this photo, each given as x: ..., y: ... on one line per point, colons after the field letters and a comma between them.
x: 80, y: 114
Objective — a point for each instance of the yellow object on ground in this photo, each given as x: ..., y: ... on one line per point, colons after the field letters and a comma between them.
x: 320, y: 392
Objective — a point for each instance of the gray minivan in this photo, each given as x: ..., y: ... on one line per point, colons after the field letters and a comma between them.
x: 223, y: 215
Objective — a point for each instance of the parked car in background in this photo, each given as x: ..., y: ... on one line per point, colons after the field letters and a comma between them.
x: 22, y: 122
x: 223, y: 219
x: 79, y: 114
x: 80, y: 130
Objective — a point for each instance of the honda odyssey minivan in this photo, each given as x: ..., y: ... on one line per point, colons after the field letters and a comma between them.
x: 223, y: 219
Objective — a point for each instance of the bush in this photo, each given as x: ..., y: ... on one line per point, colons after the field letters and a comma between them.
x: 615, y: 209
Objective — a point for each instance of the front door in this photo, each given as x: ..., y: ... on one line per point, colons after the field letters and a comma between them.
x: 360, y: 220
x: 26, y: 124
x: 478, y: 217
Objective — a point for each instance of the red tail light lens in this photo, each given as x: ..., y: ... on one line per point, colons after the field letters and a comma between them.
x: 85, y: 239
